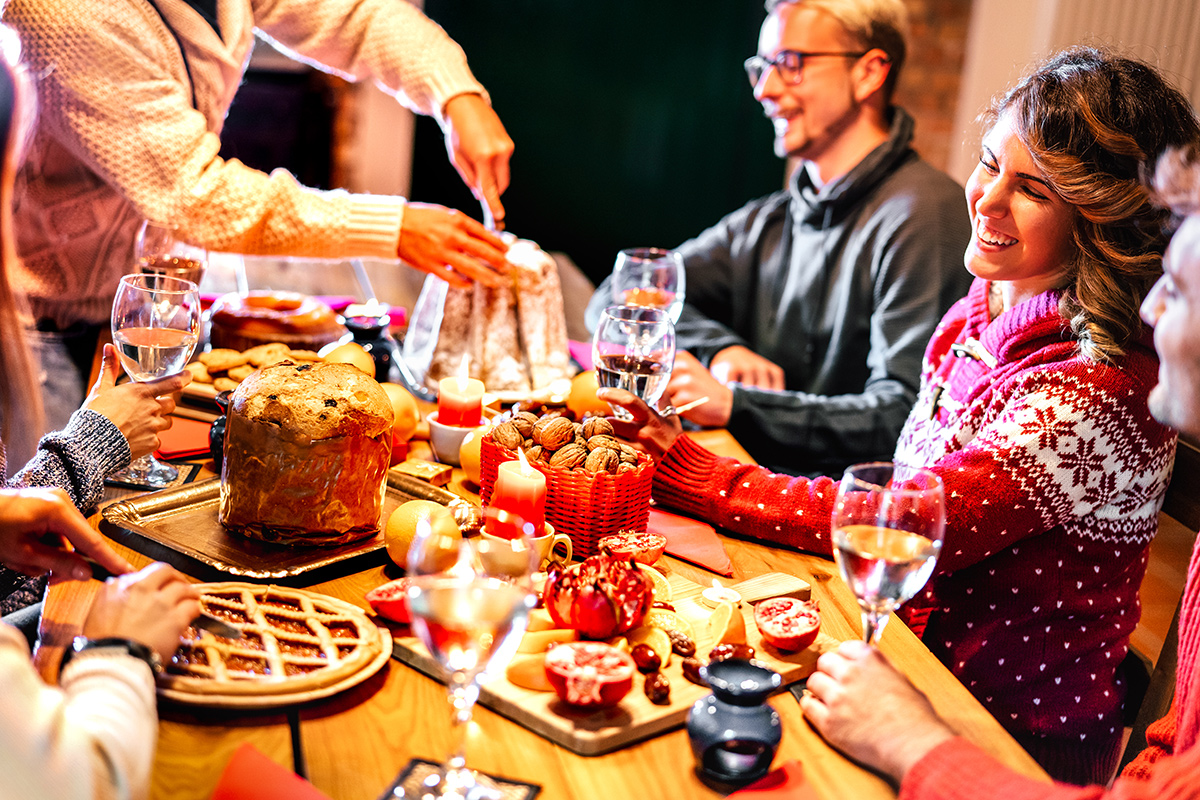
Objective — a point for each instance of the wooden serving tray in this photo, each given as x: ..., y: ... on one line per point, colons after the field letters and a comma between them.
x: 635, y: 718
x: 184, y: 522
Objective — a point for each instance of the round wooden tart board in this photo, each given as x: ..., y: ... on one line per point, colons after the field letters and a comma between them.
x: 284, y: 699
x: 260, y: 604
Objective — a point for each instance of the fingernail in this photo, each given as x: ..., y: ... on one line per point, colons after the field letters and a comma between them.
x: 81, y: 573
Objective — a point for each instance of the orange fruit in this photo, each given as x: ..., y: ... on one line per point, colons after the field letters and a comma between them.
x: 352, y: 353
x: 401, y: 527
x: 727, y: 625
x: 470, y: 455
x: 582, y: 397
x: 404, y: 407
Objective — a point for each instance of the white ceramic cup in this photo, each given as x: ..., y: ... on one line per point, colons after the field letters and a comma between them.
x: 446, y: 440
x: 551, y: 546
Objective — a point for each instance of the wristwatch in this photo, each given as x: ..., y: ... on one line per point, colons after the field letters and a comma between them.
x: 116, y: 645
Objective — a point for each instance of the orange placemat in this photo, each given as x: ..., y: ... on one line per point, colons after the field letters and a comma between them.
x: 250, y: 775
x: 787, y: 781
x: 185, y: 438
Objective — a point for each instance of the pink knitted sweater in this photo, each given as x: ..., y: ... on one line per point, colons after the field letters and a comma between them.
x: 1054, y: 473
x: 1169, y: 769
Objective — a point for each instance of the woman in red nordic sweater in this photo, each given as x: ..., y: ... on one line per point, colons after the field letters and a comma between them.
x: 1033, y: 411
x: 866, y: 708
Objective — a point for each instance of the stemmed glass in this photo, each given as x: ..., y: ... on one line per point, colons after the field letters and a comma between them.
x: 159, y: 251
x: 633, y: 348
x: 888, y: 524
x: 155, y: 327
x: 469, y: 600
x: 651, y: 277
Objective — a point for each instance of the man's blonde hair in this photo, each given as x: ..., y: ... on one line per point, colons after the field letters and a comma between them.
x: 881, y: 24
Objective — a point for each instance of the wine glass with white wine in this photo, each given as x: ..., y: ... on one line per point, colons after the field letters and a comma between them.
x: 888, y: 524
x: 633, y: 348
x: 155, y: 327
x: 469, y: 600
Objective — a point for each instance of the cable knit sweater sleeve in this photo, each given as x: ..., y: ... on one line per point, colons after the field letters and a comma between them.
x: 77, y: 458
x: 92, y: 738
x: 116, y: 95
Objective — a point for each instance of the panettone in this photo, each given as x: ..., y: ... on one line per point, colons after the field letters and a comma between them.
x: 306, y: 454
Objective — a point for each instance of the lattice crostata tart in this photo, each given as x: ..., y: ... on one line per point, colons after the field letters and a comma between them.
x: 293, y: 641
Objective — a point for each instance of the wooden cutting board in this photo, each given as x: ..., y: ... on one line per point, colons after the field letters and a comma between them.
x: 635, y: 718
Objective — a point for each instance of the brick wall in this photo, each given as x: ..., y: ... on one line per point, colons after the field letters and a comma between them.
x: 929, y: 86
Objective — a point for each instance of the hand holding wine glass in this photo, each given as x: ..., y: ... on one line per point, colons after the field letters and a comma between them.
x: 469, y: 600
x: 633, y: 348
x: 888, y: 524
x: 155, y: 327
x: 649, y: 277
x: 159, y: 251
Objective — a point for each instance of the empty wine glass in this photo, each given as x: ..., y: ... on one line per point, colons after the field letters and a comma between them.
x: 888, y: 524
x: 651, y: 277
x: 633, y: 348
x: 155, y: 326
x: 469, y: 600
x: 159, y: 250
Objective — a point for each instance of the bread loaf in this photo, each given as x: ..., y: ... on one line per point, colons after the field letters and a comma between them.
x: 306, y: 454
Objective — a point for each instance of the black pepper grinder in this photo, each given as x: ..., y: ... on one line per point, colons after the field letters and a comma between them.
x: 368, y: 325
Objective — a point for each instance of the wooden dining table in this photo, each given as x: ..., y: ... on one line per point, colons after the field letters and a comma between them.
x: 351, y: 746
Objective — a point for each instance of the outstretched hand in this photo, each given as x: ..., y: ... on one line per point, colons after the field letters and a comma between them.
x: 869, y: 711
x: 152, y: 606
x: 452, y: 246
x: 141, y: 410
x: 648, y: 430
x: 479, y: 149
x: 33, y: 525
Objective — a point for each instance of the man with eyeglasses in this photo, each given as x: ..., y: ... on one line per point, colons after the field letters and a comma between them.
x: 808, y: 310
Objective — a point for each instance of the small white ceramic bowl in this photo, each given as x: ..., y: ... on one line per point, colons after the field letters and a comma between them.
x: 446, y: 439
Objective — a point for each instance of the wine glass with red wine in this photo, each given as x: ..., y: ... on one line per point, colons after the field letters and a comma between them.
x: 155, y: 327
x: 633, y: 348
x: 651, y: 277
x: 159, y: 251
x: 888, y: 524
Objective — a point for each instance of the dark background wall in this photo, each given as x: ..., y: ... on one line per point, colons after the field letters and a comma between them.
x: 633, y: 120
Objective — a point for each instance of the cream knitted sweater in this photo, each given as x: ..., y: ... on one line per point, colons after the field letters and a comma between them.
x: 127, y: 130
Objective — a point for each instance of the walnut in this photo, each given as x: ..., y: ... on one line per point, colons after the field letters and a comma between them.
x: 601, y: 440
x: 569, y: 456
x: 535, y: 453
x: 524, y: 422
x: 625, y: 467
x: 553, y: 432
x: 597, y: 425
x: 506, y: 435
x: 602, y: 460
x: 629, y: 454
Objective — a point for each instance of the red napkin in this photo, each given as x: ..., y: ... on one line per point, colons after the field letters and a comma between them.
x: 581, y: 352
x: 250, y: 775
x: 787, y: 781
x: 691, y: 540
x: 184, y: 439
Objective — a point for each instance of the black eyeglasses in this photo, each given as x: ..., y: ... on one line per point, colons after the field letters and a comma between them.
x: 790, y: 63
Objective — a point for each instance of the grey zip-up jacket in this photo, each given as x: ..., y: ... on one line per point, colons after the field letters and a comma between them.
x: 842, y: 288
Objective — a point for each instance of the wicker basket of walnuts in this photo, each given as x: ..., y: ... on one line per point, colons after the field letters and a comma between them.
x: 596, y: 484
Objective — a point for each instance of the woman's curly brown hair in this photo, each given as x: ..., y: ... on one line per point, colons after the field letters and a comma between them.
x: 1094, y: 122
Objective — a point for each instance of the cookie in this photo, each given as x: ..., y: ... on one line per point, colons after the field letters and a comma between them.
x: 222, y: 359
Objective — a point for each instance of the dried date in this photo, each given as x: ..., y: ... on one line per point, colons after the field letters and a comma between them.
x: 681, y: 643
x: 658, y: 689
x: 691, y: 670
x: 723, y: 652
x: 646, y: 659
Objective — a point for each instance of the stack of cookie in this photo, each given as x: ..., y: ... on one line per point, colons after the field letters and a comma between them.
x: 224, y: 369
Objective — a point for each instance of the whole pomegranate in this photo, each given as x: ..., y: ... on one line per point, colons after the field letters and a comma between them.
x: 599, y: 597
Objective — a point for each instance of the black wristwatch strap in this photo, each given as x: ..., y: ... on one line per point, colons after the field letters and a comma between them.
x: 135, y: 649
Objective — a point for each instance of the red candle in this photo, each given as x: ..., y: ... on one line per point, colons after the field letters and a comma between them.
x: 460, y: 402
x: 521, y: 491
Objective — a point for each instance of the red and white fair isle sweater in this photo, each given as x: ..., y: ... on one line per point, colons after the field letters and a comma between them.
x: 1168, y: 769
x: 1054, y: 472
